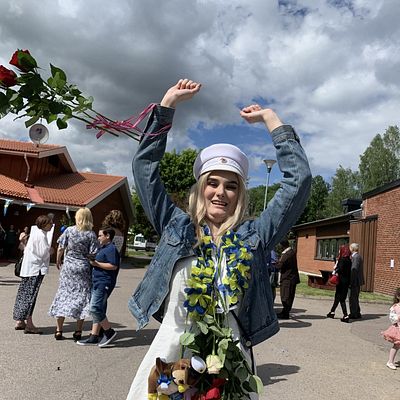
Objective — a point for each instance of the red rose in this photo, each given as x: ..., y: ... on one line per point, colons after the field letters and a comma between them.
x: 213, y: 394
x: 8, y: 78
x: 23, y: 60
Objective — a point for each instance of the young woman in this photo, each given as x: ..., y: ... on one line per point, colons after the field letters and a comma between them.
x: 212, y: 246
x: 34, y: 267
x: 343, y: 270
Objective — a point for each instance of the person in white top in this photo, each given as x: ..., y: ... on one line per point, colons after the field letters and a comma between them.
x: 35, y: 265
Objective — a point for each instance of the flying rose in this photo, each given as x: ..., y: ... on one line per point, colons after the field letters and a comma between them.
x: 23, y: 60
x: 8, y: 78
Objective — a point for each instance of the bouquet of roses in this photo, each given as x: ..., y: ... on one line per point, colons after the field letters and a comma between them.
x: 27, y: 94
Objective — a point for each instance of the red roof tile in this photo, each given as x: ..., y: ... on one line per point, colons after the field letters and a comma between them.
x: 75, y: 189
x: 13, y: 188
x: 25, y: 147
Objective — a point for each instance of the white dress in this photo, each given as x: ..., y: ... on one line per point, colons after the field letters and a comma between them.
x: 166, y: 342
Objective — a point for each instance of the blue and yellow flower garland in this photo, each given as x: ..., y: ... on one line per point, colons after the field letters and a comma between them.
x: 203, y: 291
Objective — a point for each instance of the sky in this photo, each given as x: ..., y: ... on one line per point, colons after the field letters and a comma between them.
x: 329, y: 68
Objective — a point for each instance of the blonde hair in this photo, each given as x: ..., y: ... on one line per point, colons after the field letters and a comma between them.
x: 84, y: 219
x: 197, y: 207
x: 354, y: 247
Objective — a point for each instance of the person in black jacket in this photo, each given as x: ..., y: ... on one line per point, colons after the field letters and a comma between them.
x: 343, y: 270
x: 290, y: 278
x: 356, y: 281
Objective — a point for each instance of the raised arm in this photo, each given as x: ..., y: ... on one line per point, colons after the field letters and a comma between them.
x: 149, y: 187
x: 290, y: 199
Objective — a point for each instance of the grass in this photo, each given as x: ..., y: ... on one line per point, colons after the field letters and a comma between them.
x: 141, y: 259
x: 305, y: 290
x: 137, y: 259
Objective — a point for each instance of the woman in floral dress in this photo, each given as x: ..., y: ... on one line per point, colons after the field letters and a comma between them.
x: 72, y: 299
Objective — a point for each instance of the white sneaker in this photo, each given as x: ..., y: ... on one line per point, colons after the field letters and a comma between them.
x: 391, y: 365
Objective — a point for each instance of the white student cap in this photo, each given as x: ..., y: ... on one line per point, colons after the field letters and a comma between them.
x: 221, y: 157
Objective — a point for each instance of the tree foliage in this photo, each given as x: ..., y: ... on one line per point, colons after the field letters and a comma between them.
x: 345, y: 185
x: 316, y: 205
x: 379, y: 164
x: 256, y: 198
x: 141, y: 223
x: 176, y: 170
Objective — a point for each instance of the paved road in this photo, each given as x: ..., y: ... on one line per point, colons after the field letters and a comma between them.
x: 309, y: 359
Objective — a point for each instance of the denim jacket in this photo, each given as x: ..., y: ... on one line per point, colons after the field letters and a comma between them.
x: 256, y: 316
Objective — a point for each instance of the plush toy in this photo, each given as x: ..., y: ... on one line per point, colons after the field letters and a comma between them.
x: 171, y: 380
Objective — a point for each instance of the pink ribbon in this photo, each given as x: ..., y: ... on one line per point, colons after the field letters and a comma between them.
x: 129, y: 126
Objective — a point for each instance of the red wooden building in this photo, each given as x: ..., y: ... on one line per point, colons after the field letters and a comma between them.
x: 43, y: 179
x: 375, y: 227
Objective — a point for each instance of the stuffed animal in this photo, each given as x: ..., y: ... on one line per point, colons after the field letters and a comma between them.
x: 171, y: 380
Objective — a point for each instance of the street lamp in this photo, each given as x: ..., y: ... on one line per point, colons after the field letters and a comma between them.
x: 269, y: 164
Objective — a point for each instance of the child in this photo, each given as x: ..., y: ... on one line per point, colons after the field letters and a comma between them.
x: 392, y: 334
x: 104, y: 277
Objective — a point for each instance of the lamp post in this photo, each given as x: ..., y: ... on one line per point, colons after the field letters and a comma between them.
x: 269, y: 164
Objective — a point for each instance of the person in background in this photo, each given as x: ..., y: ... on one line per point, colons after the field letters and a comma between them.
x: 273, y: 272
x: 11, y: 242
x: 35, y: 266
x: 392, y: 334
x: 73, y: 295
x: 2, y: 241
x: 356, y: 281
x: 104, y: 277
x: 115, y: 219
x: 343, y: 270
x: 23, y: 240
x: 290, y: 278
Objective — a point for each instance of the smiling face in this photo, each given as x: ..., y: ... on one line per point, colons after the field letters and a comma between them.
x: 221, y: 195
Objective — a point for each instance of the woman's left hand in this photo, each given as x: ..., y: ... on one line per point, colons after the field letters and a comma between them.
x: 254, y: 113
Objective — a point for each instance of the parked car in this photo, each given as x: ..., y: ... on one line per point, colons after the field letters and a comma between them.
x: 140, y: 243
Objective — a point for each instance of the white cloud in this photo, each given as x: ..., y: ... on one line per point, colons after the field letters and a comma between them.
x: 329, y: 67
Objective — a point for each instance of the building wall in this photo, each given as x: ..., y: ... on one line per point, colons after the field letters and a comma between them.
x: 307, y: 246
x: 15, y: 167
x: 386, y: 206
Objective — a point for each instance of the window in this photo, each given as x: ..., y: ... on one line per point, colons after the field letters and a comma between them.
x: 327, y: 249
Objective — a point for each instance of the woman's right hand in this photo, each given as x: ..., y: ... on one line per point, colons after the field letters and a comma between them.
x: 184, y: 89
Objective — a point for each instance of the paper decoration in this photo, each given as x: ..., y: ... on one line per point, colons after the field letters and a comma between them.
x: 29, y: 206
x: 6, y: 204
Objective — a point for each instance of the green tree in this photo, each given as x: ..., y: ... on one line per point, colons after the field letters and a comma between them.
x: 141, y: 223
x: 256, y: 198
x: 345, y: 185
x: 176, y: 170
x: 391, y: 140
x: 379, y: 164
x: 316, y: 205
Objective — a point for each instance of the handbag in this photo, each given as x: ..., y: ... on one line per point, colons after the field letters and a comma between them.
x: 17, y: 267
x: 333, y: 280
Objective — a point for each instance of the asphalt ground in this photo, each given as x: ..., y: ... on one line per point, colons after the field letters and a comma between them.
x: 312, y: 357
